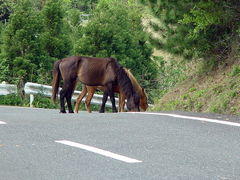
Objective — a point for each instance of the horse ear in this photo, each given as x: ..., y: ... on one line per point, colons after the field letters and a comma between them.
x: 143, y: 90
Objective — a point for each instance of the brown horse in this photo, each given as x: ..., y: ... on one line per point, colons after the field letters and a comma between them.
x: 90, y: 90
x: 106, y: 72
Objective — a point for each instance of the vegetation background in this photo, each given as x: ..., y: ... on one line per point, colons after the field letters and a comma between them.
x: 185, y: 53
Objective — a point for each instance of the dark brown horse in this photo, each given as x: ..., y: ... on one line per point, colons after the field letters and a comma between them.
x: 106, y: 72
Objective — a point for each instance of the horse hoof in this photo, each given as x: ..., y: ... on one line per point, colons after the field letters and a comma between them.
x: 70, y: 111
x: 115, y: 111
x: 101, y: 111
x: 62, y: 112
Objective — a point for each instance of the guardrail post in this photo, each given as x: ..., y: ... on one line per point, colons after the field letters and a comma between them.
x: 31, y: 100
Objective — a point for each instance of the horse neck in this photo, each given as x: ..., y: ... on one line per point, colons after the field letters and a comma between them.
x: 135, y: 84
x: 125, y: 83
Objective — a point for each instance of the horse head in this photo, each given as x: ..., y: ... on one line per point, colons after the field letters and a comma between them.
x: 133, y: 103
x: 143, y: 100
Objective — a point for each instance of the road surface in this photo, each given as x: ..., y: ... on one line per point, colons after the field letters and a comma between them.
x: 40, y: 144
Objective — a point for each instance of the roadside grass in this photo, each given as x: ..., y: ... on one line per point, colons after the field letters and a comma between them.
x: 216, y: 91
x: 40, y: 101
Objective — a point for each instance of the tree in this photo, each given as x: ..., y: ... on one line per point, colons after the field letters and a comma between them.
x: 21, y: 43
x: 6, y: 8
x: 33, y: 38
x: 83, y: 5
x: 195, y: 28
x: 115, y: 30
x: 54, y: 40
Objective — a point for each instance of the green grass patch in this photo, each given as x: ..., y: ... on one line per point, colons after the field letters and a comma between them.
x: 11, y: 100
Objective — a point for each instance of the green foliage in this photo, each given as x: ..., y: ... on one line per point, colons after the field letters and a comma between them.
x: 195, y: 28
x: 4, y: 69
x: 203, y: 15
x: 235, y: 71
x: 189, y: 101
x: 170, y: 73
x: 73, y: 21
x: 16, y: 100
x: 43, y: 102
x: 21, y: 42
x: 84, y: 6
x: 11, y: 99
x: 55, y: 43
x: 6, y: 8
x: 32, y: 40
x: 222, y: 103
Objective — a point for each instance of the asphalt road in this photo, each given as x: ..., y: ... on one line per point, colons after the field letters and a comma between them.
x: 38, y: 144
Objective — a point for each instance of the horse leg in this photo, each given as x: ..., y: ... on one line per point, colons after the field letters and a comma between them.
x: 79, y: 99
x: 62, y: 104
x: 69, y: 103
x: 112, y: 98
x: 114, y: 108
x: 69, y: 86
x: 91, y: 92
x: 104, y: 100
x: 121, y: 102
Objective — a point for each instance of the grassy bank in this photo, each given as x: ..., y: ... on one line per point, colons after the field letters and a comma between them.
x: 210, y: 88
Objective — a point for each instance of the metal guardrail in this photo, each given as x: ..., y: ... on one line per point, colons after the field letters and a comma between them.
x: 7, y: 88
x: 45, y: 90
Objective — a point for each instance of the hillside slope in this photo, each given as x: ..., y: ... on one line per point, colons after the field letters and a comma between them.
x: 215, y: 91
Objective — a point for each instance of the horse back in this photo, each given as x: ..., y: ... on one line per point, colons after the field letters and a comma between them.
x: 96, y: 71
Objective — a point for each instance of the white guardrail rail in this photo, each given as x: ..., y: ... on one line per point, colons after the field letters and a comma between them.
x: 45, y: 90
x: 34, y: 88
x: 7, y: 88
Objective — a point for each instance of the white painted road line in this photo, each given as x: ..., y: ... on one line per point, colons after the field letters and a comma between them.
x: 193, y: 118
x: 1, y: 122
x: 99, y: 151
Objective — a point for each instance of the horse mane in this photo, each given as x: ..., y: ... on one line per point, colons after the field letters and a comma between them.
x: 124, y: 81
x: 134, y: 81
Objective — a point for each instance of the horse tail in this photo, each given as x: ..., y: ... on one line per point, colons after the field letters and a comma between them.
x: 56, y: 80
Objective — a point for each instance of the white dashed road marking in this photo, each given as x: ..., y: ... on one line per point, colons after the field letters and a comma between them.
x: 1, y: 122
x: 99, y: 151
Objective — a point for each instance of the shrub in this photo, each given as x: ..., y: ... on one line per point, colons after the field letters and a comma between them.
x: 11, y: 99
